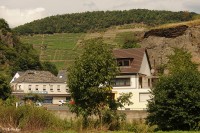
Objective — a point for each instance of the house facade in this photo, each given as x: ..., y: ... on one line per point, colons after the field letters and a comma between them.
x: 135, y: 76
x: 44, y: 83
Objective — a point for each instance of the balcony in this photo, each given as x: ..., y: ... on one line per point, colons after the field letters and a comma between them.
x: 17, y: 91
x: 39, y: 92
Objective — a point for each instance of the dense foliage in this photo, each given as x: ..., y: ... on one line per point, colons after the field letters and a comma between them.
x: 175, y: 104
x: 98, y: 20
x: 16, y: 56
x: 29, y: 119
x: 180, y: 61
x: 89, y: 78
x: 5, y: 90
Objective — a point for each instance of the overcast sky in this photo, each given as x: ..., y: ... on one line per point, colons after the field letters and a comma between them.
x: 18, y: 12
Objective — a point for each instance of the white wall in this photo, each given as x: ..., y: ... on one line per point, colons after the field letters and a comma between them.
x: 145, y: 68
x: 133, y: 81
x: 15, y: 77
x: 57, y: 99
x: 134, y: 88
x: 25, y: 87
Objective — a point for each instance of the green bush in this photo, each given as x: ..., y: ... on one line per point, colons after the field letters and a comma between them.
x: 175, y: 104
x: 137, y: 126
x: 30, y: 118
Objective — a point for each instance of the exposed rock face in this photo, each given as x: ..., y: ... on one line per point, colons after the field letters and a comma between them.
x: 168, y: 33
x: 159, y: 46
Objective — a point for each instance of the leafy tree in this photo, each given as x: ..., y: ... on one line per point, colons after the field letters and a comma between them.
x: 5, y: 90
x: 132, y: 43
x: 16, y: 56
x: 4, y: 25
x: 180, y: 61
x: 175, y: 104
x: 48, y: 66
x: 89, y: 78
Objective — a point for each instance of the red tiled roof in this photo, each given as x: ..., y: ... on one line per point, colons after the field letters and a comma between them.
x: 136, y: 54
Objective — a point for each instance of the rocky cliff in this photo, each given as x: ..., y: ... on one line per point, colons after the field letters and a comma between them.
x: 160, y: 43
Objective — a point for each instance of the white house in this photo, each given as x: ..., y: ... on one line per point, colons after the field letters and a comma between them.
x: 135, y: 76
x: 52, y: 88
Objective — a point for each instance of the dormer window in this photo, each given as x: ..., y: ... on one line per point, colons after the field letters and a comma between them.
x: 124, y: 62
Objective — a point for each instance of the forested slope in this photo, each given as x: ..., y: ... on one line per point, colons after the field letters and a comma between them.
x: 98, y: 20
x: 16, y: 56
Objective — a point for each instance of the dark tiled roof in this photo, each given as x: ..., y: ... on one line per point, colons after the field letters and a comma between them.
x: 136, y: 54
x: 20, y: 73
x: 33, y: 76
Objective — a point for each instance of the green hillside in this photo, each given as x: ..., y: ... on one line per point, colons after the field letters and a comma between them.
x: 59, y: 38
x: 100, y: 20
x: 62, y: 49
x: 17, y: 56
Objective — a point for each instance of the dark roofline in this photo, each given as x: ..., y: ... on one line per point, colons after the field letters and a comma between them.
x: 148, y: 58
x: 137, y: 54
x: 38, y: 76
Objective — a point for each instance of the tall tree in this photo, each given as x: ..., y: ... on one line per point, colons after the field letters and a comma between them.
x: 90, y: 76
x: 5, y: 90
x: 175, y: 104
x: 180, y: 61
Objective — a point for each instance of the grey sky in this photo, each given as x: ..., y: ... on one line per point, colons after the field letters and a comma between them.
x: 17, y: 12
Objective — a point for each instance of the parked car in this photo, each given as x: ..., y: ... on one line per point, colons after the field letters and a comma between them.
x: 38, y: 104
x: 62, y: 102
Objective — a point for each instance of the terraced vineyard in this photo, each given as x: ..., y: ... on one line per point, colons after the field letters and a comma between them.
x: 62, y: 49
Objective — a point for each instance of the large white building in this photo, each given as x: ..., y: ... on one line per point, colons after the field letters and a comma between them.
x: 52, y: 88
x: 135, y: 76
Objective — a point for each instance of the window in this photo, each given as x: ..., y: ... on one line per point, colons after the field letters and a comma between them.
x: 58, y: 87
x: 19, y: 87
x: 48, y: 100
x: 36, y: 87
x: 149, y: 82
x: 144, y: 97
x: 67, y: 88
x: 140, y: 82
x: 123, y: 62
x: 51, y: 87
x: 29, y: 87
x: 121, y: 82
x: 44, y: 87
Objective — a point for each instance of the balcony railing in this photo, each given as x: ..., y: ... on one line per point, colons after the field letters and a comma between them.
x: 39, y: 92
x: 18, y: 91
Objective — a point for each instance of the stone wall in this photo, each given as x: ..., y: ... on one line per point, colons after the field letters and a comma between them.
x: 130, y: 114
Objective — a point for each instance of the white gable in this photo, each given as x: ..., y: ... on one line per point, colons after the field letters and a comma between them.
x: 145, y: 66
x: 15, y: 77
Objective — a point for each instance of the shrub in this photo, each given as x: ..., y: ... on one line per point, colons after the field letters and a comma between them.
x: 175, y: 103
x: 30, y: 118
